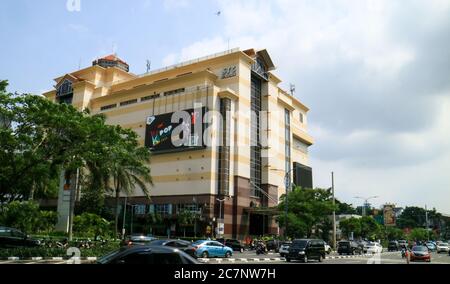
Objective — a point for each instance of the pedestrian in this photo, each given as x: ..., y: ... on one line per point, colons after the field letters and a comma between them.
x: 408, y: 255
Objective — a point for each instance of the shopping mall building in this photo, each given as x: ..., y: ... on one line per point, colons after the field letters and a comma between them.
x: 235, y: 169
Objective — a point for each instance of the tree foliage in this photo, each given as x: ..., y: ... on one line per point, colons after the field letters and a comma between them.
x: 308, y: 211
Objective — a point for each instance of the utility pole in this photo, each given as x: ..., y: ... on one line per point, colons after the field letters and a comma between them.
x: 334, y: 211
x: 426, y: 223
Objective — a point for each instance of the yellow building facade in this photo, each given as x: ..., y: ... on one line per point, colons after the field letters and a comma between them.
x: 254, y: 136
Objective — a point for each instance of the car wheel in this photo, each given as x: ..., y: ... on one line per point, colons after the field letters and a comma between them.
x: 288, y: 260
x: 320, y: 258
x: 227, y: 254
x: 205, y: 254
x: 305, y: 259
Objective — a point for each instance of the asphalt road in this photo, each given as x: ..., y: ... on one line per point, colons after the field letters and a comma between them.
x: 250, y: 257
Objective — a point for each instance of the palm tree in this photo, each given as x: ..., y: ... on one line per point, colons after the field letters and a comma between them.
x: 128, y: 171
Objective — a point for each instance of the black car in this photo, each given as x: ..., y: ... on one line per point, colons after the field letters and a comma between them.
x: 349, y: 247
x: 137, y: 240
x: 147, y: 255
x: 234, y: 244
x: 393, y: 246
x: 185, y: 246
x: 306, y: 249
x: 10, y: 238
x: 273, y: 245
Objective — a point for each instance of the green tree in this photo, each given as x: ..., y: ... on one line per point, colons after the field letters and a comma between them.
x: 344, y: 208
x: 24, y: 216
x: 418, y: 234
x: 412, y: 217
x: 350, y: 225
x: 185, y: 218
x: 91, y: 225
x: 308, y: 211
x: 370, y: 229
x: 393, y: 233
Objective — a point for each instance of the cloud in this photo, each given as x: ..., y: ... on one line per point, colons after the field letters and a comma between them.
x: 375, y: 74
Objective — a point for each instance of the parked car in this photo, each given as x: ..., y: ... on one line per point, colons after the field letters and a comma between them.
x: 306, y: 249
x: 373, y: 248
x: 431, y: 246
x: 420, y: 253
x: 236, y: 245
x: 349, y: 247
x: 284, y: 248
x: 147, y: 255
x: 393, y: 246
x: 207, y: 248
x: 10, y: 238
x: 328, y: 248
x: 137, y: 240
x: 185, y: 246
x: 403, y: 244
x: 442, y: 247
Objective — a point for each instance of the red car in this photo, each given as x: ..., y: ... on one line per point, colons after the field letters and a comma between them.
x: 420, y: 253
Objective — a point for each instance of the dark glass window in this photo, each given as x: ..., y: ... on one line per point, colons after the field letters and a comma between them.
x: 287, y: 145
x: 255, y: 146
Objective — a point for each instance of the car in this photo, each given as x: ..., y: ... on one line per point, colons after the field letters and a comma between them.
x: 442, y: 247
x: 147, y: 254
x: 403, y: 244
x: 306, y: 249
x: 420, y: 253
x: 10, y: 238
x: 236, y: 245
x: 208, y: 248
x: 137, y: 240
x: 328, y: 248
x: 284, y: 248
x: 373, y: 248
x: 431, y: 246
x: 349, y: 247
x: 185, y: 246
x: 393, y: 246
x: 272, y: 245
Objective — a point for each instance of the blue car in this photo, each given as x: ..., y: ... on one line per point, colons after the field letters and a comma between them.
x: 205, y: 249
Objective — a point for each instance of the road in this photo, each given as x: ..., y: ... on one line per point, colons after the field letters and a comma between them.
x: 250, y: 257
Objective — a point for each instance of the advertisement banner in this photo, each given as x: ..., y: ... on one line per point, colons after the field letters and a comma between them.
x: 389, y: 215
x: 163, y: 135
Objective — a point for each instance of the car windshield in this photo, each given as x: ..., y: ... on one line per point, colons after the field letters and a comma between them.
x: 420, y: 248
x: 198, y: 243
x: 299, y: 244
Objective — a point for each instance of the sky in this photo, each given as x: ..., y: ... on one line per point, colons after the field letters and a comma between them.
x: 375, y: 73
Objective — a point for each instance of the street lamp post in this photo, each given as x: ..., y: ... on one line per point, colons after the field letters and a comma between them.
x: 366, y: 201
x: 334, y: 211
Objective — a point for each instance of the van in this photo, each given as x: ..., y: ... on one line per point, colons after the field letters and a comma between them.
x: 306, y: 249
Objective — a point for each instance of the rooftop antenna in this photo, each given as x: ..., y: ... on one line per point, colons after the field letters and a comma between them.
x: 292, y: 89
x: 149, y: 64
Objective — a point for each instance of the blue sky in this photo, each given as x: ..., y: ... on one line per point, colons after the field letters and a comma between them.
x: 375, y: 73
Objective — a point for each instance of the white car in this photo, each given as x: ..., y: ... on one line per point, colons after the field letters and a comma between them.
x: 373, y: 248
x: 284, y: 249
x: 442, y: 247
x: 327, y: 248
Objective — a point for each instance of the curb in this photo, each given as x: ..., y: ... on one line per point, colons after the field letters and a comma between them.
x: 233, y: 260
x: 48, y: 258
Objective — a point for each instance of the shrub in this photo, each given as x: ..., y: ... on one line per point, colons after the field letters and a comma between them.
x: 91, y: 225
x: 24, y: 216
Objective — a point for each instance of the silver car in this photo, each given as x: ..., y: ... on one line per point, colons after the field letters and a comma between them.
x: 284, y: 249
x: 442, y: 247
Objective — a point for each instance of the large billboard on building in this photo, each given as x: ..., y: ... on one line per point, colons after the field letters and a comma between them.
x: 389, y: 215
x: 162, y: 135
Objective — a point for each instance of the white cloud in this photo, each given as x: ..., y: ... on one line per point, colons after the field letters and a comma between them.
x: 375, y: 75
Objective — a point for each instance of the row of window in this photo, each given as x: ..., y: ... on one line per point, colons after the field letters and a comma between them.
x: 164, y: 209
x: 143, y: 99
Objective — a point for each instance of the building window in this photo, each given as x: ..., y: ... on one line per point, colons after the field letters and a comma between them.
x: 287, y: 143
x: 163, y: 209
x: 174, y: 92
x: 255, y: 146
x: 147, y: 98
x: 129, y: 102
x: 139, y: 209
x: 301, y: 117
x: 108, y: 107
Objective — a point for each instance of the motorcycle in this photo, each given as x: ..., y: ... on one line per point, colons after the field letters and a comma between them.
x: 261, y: 249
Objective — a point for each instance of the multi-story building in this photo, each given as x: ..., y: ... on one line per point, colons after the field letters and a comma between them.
x: 246, y: 158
